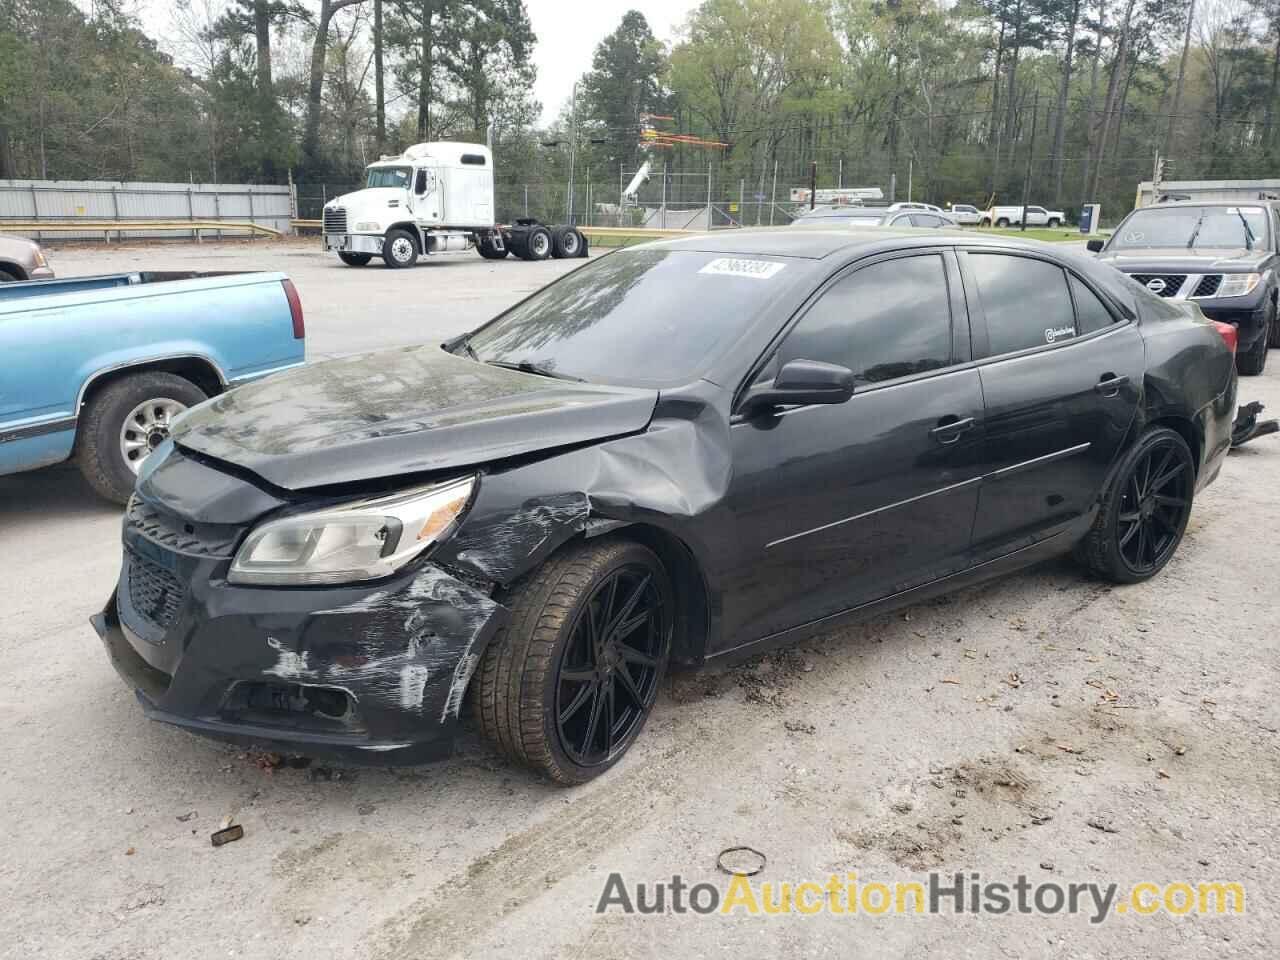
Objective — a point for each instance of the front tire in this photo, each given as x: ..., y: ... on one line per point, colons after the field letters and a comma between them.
x: 400, y: 249
x: 1054, y: 222
x: 123, y: 423
x: 355, y: 259
x: 1144, y: 511
x: 566, y: 687
x: 1254, y: 360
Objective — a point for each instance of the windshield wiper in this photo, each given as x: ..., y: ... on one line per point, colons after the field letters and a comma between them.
x: 1248, y: 234
x: 1196, y: 232
x: 526, y: 366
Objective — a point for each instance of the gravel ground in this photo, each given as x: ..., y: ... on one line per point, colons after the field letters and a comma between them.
x: 1045, y: 724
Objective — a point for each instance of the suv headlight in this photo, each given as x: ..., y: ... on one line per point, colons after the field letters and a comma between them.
x: 364, y: 540
x: 1237, y: 284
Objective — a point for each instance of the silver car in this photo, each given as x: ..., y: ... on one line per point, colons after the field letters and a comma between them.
x: 22, y: 259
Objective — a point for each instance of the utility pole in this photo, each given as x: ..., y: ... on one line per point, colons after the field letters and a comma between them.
x: 573, y: 146
x: 1031, y: 150
x: 813, y: 184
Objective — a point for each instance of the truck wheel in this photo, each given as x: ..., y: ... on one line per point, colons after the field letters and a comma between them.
x: 123, y: 423
x: 1254, y: 360
x: 400, y: 249
x: 1144, y: 511
x: 566, y: 243
x: 1002, y: 222
x: 566, y: 686
x: 537, y: 243
x: 1054, y: 222
x: 355, y: 259
x: 489, y: 251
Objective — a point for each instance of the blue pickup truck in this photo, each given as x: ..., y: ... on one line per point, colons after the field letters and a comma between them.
x: 96, y: 368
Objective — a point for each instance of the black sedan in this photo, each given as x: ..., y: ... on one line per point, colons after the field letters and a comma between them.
x: 688, y: 451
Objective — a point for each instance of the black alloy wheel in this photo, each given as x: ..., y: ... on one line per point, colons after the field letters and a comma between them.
x: 609, y: 670
x: 1145, y: 512
x: 566, y: 686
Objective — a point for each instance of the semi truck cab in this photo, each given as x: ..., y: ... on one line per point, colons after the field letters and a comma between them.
x: 434, y: 198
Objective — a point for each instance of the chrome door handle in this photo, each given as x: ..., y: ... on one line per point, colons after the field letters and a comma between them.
x: 949, y: 429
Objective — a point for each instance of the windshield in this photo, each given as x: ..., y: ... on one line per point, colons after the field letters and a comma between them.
x: 1192, y: 227
x: 388, y: 177
x: 642, y: 317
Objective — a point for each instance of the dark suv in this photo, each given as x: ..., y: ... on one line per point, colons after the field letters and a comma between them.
x: 1219, y: 255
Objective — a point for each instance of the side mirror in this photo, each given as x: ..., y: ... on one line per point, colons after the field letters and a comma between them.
x: 799, y: 383
x: 1095, y: 246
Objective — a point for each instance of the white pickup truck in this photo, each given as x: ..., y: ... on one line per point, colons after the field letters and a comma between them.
x: 1012, y: 216
x: 434, y: 198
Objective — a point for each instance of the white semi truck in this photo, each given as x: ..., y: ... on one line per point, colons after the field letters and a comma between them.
x: 435, y: 198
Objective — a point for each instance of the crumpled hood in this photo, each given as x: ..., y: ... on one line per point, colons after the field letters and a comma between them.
x: 408, y: 410
x: 1182, y: 260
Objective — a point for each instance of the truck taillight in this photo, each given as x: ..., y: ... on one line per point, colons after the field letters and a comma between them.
x: 1229, y: 334
x: 295, y: 310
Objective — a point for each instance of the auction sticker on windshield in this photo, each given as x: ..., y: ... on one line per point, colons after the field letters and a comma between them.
x: 738, y: 267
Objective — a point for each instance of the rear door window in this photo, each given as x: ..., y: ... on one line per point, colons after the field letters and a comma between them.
x: 887, y: 320
x: 1026, y: 301
x: 1091, y: 314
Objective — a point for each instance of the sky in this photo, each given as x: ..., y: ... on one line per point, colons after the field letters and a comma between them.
x: 569, y: 30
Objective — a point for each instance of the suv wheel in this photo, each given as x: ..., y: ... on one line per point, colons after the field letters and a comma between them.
x: 1254, y: 360
x: 567, y: 685
x: 123, y: 423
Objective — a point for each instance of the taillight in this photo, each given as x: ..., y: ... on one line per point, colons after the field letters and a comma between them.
x: 295, y: 310
x: 1229, y: 334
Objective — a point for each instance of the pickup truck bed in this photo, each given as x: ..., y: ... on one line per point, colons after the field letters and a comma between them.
x: 95, y: 367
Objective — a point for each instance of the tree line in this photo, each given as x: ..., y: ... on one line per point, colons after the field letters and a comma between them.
x: 957, y: 102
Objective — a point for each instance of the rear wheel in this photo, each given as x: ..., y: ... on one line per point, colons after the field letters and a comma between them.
x: 123, y: 423
x: 400, y: 249
x: 568, y: 684
x: 1002, y: 222
x: 537, y: 244
x: 1144, y: 512
x: 490, y: 250
x: 566, y: 243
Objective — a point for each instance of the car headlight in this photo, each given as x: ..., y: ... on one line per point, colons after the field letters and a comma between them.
x: 368, y: 226
x: 356, y: 541
x: 40, y: 258
x: 1237, y: 284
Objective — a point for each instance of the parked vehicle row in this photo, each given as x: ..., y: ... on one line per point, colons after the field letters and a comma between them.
x: 97, y: 368
x: 873, y: 217
x: 538, y: 517
x: 435, y: 198
x: 1011, y: 216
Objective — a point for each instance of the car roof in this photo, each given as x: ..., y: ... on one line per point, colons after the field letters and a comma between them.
x: 817, y: 243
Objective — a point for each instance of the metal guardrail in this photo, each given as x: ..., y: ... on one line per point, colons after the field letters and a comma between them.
x: 121, y: 227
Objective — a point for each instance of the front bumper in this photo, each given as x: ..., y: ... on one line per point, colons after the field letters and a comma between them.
x: 1249, y: 321
x: 365, y: 674
x: 42, y: 273
x: 353, y: 243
